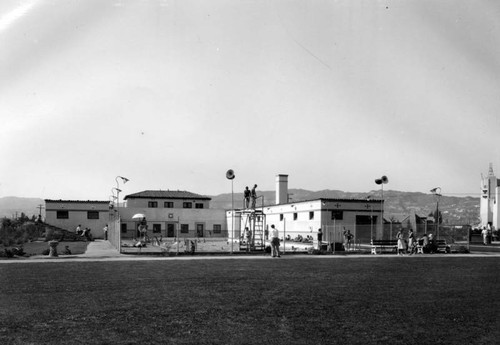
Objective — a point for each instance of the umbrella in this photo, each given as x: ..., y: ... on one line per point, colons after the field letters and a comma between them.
x: 138, y: 216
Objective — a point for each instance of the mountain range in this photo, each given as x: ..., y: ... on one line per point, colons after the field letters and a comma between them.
x: 398, y: 205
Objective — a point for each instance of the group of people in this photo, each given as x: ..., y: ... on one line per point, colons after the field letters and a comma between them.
x: 275, y: 240
x: 84, y: 232
x: 250, y: 197
x: 410, y: 244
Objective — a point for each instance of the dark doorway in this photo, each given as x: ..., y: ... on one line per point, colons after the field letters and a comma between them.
x: 170, y: 229
x: 199, y: 230
x: 366, y: 228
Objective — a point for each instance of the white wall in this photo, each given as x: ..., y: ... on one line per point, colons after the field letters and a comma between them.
x: 78, y: 214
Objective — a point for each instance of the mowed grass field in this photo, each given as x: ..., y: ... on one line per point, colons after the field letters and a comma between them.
x: 290, y: 300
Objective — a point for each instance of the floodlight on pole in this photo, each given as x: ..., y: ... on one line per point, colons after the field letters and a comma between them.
x: 381, y: 181
x: 118, y: 190
x: 438, y: 196
x: 230, y: 176
x: 368, y: 204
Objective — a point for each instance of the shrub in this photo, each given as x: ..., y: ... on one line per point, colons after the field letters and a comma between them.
x: 315, y: 251
x: 49, y: 234
x: 46, y: 252
x: 19, y: 251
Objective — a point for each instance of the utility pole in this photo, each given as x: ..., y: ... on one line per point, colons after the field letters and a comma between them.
x: 40, y: 206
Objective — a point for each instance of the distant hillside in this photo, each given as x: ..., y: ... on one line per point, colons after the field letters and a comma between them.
x: 10, y: 205
x: 455, y: 210
x: 398, y: 205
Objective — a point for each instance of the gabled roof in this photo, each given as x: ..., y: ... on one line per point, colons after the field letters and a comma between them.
x: 166, y: 194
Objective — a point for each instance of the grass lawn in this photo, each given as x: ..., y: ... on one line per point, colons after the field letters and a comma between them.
x: 291, y: 300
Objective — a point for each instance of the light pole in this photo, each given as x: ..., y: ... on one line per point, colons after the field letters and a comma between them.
x: 230, y: 176
x: 381, y: 181
x: 118, y: 190
x: 368, y: 204
x: 125, y: 180
x: 438, y: 196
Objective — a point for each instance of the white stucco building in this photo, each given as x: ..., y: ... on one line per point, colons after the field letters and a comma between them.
x: 172, y: 213
x: 303, y: 218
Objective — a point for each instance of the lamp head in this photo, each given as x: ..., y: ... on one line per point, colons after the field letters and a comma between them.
x: 434, y: 190
x: 124, y: 179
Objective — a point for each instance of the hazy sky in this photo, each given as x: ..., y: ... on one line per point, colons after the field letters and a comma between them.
x: 172, y: 94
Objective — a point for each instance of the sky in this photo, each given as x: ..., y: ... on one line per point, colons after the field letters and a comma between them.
x: 172, y: 94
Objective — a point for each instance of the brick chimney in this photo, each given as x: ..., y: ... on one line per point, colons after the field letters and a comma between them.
x: 281, y: 189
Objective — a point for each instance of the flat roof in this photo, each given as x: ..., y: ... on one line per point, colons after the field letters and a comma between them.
x: 78, y: 201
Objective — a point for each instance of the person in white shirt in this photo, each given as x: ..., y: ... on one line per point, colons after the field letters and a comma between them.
x: 485, y: 235
x: 105, y: 229
x: 275, y: 242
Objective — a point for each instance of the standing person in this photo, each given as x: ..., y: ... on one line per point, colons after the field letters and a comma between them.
x: 320, y: 238
x: 248, y: 238
x: 254, y: 196
x: 275, y: 242
x: 105, y: 229
x: 425, y: 243
x: 401, y: 243
x: 143, y: 228
x: 79, y: 229
x: 246, y: 194
x: 411, y: 241
x: 485, y: 235
x: 347, y: 239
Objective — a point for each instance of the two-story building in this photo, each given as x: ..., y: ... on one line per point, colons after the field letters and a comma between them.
x: 172, y: 213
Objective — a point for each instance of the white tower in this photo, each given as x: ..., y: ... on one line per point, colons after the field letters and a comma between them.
x: 488, y: 202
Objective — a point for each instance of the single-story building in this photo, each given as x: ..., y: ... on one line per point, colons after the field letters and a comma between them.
x: 68, y: 214
x: 302, y: 219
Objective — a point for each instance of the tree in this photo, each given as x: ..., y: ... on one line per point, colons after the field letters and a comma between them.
x: 437, y: 219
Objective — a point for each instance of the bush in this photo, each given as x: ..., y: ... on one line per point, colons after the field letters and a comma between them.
x: 462, y: 250
x: 315, y: 251
x: 49, y: 234
x: 46, y: 252
x: 18, y: 251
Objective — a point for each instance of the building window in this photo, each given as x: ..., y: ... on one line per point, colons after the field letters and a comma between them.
x: 338, y: 215
x: 156, y: 228
x: 295, y: 216
x: 62, y: 215
x: 152, y: 204
x: 92, y: 214
x: 185, y: 228
x: 311, y: 215
x: 281, y: 217
x: 217, y: 228
x: 187, y: 205
x: 168, y: 204
x: 199, y: 205
x: 124, y: 228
